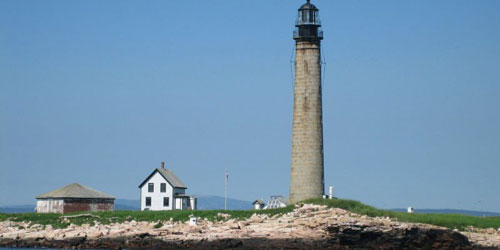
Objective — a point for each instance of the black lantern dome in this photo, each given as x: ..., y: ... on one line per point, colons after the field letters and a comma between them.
x: 308, y: 23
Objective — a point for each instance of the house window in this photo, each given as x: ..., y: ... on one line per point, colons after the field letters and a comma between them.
x: 163, y: 187
x: 165, y: 201
x: 148, y: 201
x: 151, y: 187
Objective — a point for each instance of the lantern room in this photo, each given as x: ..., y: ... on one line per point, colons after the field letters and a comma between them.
x: 308, y: 23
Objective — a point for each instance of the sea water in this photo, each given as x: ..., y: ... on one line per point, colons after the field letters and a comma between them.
x: 15, y: 248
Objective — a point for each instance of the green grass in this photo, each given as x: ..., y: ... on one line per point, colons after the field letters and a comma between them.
x: 446, y: 220
x: 452, y: 221
x: 57, y: 221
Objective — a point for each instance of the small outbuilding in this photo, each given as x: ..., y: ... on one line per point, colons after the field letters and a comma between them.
x: 258, y: 204
x: 276, y: 201
x: 74, y: 198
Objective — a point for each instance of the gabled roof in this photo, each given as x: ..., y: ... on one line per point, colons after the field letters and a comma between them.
x: 276, y: 201
x: 169, y: 176
x: 75, y: 190
x: 259, y: 201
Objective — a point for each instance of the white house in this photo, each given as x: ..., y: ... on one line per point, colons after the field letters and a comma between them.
x: 162, y: 190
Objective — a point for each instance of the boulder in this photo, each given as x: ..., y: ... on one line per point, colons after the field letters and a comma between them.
x: 223, y: 215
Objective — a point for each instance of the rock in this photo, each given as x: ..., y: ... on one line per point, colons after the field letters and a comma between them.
x: 194, y: 230
x: 116, y: 232
x: 234, y: 226
x: 71, y: 234
x: 243, y: 223
x: 256, y: 219
x: 224, y: 215
x: 36, y: 235
x: 94, y: 234
x: 50, y: 234
x: 20, y: 234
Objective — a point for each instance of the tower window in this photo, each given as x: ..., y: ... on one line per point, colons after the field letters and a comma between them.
x: 166, y: 201
x: 151, y: 187
x: 163, y: 187
x: 148, y: 201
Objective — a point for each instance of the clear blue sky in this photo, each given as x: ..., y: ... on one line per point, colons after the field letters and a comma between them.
x: 100, y: 92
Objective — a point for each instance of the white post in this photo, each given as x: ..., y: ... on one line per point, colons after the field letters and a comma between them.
x: 225, y: 195
x: 330, y: 192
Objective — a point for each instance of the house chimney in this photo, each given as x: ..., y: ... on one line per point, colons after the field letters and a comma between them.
x: 163, y: 165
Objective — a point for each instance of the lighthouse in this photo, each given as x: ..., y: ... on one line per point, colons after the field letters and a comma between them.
x: 307, y: 170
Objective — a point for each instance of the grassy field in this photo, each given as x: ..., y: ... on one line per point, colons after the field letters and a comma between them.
x: 452, y: 221
x: 446, y: 220
x: 57, y: 220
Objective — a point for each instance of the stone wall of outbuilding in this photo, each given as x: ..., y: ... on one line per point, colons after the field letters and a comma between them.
x: 77, y: 205
x: 49, y: 206
x: 74, y: 205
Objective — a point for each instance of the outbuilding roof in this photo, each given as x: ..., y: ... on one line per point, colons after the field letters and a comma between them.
x: 169, y: 176
x: 259, y: 201
x: 75, y: 190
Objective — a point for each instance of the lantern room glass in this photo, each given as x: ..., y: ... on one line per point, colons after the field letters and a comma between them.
x: 308, y: 17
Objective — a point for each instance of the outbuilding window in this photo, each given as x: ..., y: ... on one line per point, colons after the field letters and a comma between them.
x: 151, y: 187
x: 163, y: 187
x: 165, y: 201
x: 148, y: 201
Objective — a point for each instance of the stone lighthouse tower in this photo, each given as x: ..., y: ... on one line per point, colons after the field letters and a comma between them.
x: 307, y: 172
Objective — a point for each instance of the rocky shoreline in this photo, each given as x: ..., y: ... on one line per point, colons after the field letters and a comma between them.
x: 309, y: 227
